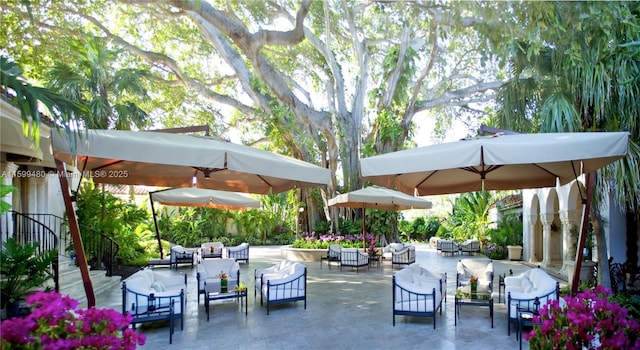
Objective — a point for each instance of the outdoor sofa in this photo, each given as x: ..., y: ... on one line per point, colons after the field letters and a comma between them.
x: 527, y: 291
x: 149, y: 296
x: 418, y: 292
x: 283, y: 282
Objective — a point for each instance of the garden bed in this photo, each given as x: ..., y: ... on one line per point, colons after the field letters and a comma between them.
x: 302, y: 254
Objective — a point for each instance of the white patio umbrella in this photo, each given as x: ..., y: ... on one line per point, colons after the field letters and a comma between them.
x: 377, y: 198
x: 202, y: 197
x: 174, y: 160
x: 199, y: 197
x: 499, y: 163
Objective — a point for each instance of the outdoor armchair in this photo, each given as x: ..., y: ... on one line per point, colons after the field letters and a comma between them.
x: 352, y: 257
x: 333, y: 255
x: 239, y: 252
x: 181, y: 255
x: 209, y: 274
x: 448, y: 247
x: 525, y: 289
x: 149, y: 296
x: 282, y: 283
x: 482, y: 269
x: 404, y: 256
x: 387, y: 251
x: 418, y: 292
x: 470, y: 246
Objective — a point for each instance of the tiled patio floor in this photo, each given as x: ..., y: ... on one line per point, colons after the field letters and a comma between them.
x: 345, y: 310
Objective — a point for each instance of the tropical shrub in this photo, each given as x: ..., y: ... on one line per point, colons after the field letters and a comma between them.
x: 587, y: 321
x: 509, y: 231
x: 494, y: 252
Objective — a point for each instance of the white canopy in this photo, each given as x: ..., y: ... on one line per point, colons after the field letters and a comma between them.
x: 497, y: 163
x: 201, y: 197
x: 173, y: 160
x: 379, y: 198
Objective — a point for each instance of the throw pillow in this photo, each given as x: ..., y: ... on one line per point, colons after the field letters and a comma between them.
x: 158, y: 286
x: 526, y: 285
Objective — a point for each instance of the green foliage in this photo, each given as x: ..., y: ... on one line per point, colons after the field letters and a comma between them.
x: 5, y: 190
x: 324, y: 241
x: 23, y: 268
x: 347, y: 227
x: 509, y: 231
x: 322, y: 227
x: 419, y: 229
x: 380, y: 222
x: 630, y: 302
x: 103, y: 212
x: 494, y: 252
x: 28, y: 96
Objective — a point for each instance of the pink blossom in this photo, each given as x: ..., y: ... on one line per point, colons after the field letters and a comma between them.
x: 55, y: 323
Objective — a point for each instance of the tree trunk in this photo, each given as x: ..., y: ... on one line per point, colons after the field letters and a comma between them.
x: 604, y: 278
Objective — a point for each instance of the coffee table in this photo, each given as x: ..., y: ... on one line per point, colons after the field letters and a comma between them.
x: 213, y: 293
x: 483, y: 296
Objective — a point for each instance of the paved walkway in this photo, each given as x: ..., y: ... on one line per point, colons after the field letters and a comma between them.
x: 345, y: 310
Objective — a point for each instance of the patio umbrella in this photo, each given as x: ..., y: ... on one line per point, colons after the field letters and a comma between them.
x: 495, y: 163
x: 377, y: 198
x: 200, y: 197
x: 499, y: 163
x: 174, y: 160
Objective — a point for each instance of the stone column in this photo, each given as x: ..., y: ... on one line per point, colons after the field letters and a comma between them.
x: 568, y: 220
x: 530, y: 243
x: 42, y: 197
x: 546, y: 219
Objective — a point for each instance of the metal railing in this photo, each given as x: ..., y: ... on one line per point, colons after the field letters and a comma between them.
x: 26, y: 229
x: 99, y: 249
x: 52, y: 232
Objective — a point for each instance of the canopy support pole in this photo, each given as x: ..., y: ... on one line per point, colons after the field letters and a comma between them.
x: 155, y: 222
x: 590, y: 180
x: 75, y: 234
x: 364, y: 228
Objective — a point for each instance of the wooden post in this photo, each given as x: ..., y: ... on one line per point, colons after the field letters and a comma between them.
x: 590, y: 179
x: 155, y: 222
x: 75, y: 234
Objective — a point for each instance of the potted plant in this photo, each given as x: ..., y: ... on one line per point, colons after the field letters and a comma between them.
x: 23, y: 270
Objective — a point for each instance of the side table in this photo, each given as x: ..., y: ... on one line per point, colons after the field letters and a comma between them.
x: 525, y: 319
x: 374, y: 261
